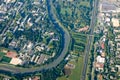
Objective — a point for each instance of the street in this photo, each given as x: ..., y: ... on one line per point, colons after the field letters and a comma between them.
x: 90, y: 38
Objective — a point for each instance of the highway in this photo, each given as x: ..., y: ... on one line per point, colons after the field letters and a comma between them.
x: 66, y: 40
x: 90, y: 38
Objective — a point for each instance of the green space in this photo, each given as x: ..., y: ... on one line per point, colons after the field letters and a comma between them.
x: 73, y: 19
x: 88, y: 72
x: 74, y: 14
x: 3, y: 76
x: 70, y: 15
x: 1, y: 54
x: 79, y: 42
x: 76, y: 73
x: 110, y: 33
x: 6, y: 59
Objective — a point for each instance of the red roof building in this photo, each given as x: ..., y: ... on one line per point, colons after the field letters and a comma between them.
x: 11, y: 54
x: 102, y: 45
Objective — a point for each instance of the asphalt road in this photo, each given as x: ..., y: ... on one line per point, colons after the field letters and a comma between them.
x: 90, y: 38
x: 66, y: 40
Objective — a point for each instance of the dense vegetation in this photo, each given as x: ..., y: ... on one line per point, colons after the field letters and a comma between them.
x: 73, y: 13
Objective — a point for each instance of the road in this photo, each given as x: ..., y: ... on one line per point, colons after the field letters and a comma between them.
x: 90, y: 38
x: 66, y: 40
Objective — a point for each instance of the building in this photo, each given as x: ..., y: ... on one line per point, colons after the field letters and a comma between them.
x: 100, y: 59
x: 70, y: 66
x: 118, y: 46
x: 115, y: 22
x: 103, y: 54
x: 107, y: 7
x: 11, y: 54
x: 99, y: 66
x: 16, y: 61
x: 9, y: 1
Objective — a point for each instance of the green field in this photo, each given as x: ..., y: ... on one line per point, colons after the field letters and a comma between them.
x: 73, y: 14
x: 6, y: 59
x: 80, y: 41
x: 76, y: 73
x: 1, y: 54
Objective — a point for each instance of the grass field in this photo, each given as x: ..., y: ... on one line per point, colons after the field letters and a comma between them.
x: 76, y: 73
x: 6, y: 59
x: 2, y: 54
x: 80, y: 41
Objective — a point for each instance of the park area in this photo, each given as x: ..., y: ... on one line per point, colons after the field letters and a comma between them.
x: 75, y: 73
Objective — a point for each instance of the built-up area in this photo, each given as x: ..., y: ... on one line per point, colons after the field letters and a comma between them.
x: 27, y: 37
x: 107, y: 43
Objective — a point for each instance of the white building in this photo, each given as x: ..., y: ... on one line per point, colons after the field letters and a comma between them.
x: 16, y: 61
x: 100, y: 59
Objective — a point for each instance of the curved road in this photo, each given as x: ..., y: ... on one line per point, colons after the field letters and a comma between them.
x: 66, y: 40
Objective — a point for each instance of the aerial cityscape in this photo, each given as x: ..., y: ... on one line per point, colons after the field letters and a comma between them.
x: 59, y: 39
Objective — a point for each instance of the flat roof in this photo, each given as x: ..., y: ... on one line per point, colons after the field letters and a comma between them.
x: 115, y: 22
x: 105, y: 6
x: 15, y: 61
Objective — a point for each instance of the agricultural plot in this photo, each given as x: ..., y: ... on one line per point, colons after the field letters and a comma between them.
x: 79, y: 41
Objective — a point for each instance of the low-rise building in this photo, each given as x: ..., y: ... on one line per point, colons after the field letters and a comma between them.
x: 99, y: 66
x: 115, y: 22
x: 16, y: 61
x: 100, y: 59
x: 118, y: 46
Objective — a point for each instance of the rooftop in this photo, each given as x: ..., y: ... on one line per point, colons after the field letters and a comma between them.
x: 15, y: 61
x: 115, y: 22
x: 11, y: 54
x: 107, y: 7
